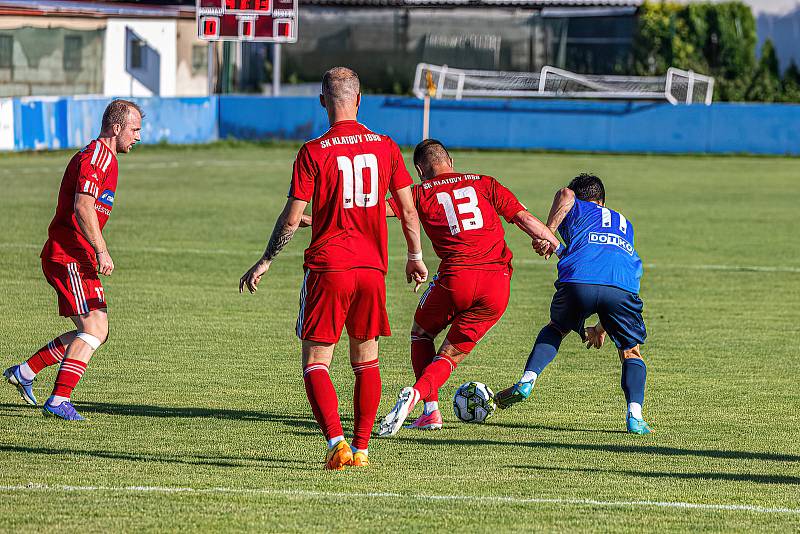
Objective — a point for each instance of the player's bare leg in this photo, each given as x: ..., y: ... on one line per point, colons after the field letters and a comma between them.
x: 366, y: 395
x: 634, y: 376
x: 22, y: 376
x: 324, y: 402
x: 544, y: 351
x: 92, y: 331
x: 435, y: 375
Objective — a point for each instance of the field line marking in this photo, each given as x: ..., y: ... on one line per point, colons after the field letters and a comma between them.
x: 518, y: 261
x: 58, y: 168
x: 423, y: 497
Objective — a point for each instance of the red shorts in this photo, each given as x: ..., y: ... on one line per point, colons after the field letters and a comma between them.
x: 77, y: 285
x: 471, y: 300
x: 355, y: 299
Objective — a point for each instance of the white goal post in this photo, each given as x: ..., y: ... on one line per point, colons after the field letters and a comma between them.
x: 676, y: 87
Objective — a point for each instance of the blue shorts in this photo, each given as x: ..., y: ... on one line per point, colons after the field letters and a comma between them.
x: 620, y: 311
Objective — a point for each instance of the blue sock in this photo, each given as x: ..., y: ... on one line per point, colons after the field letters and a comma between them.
x: 634, y: 375
x: 544, y: 350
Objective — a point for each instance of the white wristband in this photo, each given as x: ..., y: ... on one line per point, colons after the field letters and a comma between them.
x: 415, y: 256
x: 560, y: 250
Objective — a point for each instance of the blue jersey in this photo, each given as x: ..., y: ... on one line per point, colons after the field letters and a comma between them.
x: 599, y: 249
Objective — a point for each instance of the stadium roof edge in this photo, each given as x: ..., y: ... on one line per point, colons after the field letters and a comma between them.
x: 477, y: 3
x: 99, y: 9
x: 92, y: 8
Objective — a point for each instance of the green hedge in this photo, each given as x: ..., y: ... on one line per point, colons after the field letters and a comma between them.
x: 717, y: 39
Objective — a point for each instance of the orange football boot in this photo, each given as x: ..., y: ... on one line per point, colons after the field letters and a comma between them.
x: 360, y: 459
x: 338, y: 456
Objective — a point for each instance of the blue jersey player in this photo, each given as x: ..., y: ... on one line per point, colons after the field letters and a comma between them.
x: 598, y: 273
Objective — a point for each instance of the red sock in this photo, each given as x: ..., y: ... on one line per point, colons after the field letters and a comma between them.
x: 366, y: 398
x: 68, y: 376
x: 422, y: 354
x: 322, y: 396
x: 435, y: 375
x: 50, y: 354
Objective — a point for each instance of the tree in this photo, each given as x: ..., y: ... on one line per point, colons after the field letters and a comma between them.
x: 731, y: 48
x: 664, y: 39
x: 651, y: 40
x: 717, y: 39
x: 791, y: 83
x: 765, y: 85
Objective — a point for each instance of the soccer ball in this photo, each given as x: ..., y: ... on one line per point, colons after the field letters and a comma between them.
x: 474, y: 402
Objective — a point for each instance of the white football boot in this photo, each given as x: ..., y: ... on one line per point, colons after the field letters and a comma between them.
x: 394, y: 420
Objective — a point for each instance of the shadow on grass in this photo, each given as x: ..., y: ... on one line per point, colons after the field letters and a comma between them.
x: 142, y: 410
x: 214, y: 461
x: 19, y: 409
x: 733, y: 477
x: 624, y: 449
x: 554, y: 428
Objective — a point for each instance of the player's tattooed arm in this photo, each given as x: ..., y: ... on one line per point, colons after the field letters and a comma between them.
x: 562, y: 203
x: 281, y: 235
x: 285, y: 227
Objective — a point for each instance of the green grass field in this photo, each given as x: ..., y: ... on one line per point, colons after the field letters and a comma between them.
x: 197, y: 415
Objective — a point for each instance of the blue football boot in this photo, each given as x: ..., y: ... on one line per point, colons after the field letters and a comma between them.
x: 637, y: 426
x: 511, y: 396
x: 65, y: 411
x: 24, y: 387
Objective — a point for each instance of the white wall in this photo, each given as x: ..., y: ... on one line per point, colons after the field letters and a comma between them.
x: 160, y: 35
x: 190, y: 83
x: 6, y: 124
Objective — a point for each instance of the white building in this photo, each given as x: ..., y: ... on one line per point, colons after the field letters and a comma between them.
x: 59, y: 47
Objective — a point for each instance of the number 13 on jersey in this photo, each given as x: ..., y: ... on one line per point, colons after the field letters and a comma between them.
x: 464, y: 208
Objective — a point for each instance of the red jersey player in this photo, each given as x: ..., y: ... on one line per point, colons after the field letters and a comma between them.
x: 345, y: 174
x: 461, y: 215
x: 74, y: 254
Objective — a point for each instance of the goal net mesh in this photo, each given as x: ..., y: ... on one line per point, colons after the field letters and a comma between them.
x: 677, y: 87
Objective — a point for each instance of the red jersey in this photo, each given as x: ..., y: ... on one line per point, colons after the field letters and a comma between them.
x: 459, y: 212
x: 93, y: 171
x: 346, y: 174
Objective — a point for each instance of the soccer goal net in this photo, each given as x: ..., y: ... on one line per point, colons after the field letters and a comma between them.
x: 677, y: 87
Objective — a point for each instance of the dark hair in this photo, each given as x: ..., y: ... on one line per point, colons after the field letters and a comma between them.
x: 117, y: 113
x: 588, y: 187
x: 430, y: 151
x: 341, y: 84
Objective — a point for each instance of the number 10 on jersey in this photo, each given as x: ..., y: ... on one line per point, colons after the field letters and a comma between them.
x: 353, y: 180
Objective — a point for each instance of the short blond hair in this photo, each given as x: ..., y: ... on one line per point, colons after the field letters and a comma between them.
x: 341, y: 84
x: 117, y: 113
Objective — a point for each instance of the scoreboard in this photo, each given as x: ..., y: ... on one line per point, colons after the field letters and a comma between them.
x: 272, y: 21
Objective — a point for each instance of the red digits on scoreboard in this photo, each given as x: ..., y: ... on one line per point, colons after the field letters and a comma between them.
x: 246, y: 30
x: 210, y: 27
x: 247, y: 5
